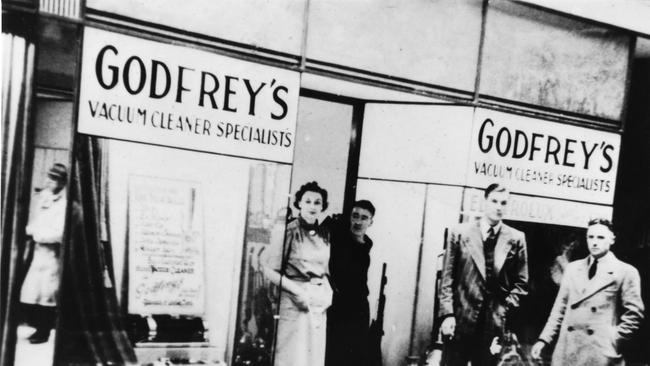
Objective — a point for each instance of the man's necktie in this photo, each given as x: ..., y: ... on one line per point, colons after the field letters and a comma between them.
x: 488, y: 252
x: 593, y: 268
x: 491, y: 234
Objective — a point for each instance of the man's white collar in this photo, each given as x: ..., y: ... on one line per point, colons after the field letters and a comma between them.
x: 485, y: 226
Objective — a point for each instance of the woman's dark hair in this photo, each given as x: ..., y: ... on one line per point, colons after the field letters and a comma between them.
x: 310, y: 187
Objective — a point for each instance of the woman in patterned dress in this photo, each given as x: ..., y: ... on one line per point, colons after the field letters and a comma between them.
x: 300, y: 269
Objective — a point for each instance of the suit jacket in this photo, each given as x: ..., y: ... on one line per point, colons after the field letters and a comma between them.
x: 593, y: 316
x: 463, y: 289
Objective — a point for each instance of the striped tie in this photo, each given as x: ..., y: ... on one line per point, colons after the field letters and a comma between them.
x: 488, y: 252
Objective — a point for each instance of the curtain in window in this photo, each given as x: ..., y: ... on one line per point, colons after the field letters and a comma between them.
x: 17, y: 77
x: 90, y: 330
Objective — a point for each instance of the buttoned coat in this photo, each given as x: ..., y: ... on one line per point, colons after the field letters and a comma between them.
x: 45, y: 226
x: 462, y: 288
x: 593, y: 317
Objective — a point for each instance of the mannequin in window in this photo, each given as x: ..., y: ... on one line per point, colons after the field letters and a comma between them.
x: 45, y: 228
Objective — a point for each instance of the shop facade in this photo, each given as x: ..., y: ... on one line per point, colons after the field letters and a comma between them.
x: 206, y: 119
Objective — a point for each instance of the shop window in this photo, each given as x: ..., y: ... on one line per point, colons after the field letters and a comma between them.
x: 48, y: 150
x: 177, y: 220
x: 37, y: 175
x: 553, y: 61
x: 52, y: 134
x: 50, y: 157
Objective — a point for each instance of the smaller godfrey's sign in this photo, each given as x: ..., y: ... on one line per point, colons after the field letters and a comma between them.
x: 543, y: 158
x: 146, y: 91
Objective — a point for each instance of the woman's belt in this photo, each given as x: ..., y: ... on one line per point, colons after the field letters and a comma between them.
x: 312, y: 279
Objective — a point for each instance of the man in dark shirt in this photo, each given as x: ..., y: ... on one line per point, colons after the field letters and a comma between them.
x: 348, y: 317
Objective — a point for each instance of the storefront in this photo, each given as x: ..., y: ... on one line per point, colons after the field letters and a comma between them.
x: 436, y: 162
x: 201, y: 126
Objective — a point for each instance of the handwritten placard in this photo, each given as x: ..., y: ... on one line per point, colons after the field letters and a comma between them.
x: 165, y: 247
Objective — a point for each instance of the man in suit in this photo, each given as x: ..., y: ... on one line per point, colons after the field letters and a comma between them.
x: 484, y: 276
x: 597, y: 308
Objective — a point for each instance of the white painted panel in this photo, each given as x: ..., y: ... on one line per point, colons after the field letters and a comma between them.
x: 396, y: 233
x: 416, y: 143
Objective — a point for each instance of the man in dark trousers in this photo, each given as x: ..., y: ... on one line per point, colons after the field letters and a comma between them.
x: 484, y: 276
x: 349, y: 316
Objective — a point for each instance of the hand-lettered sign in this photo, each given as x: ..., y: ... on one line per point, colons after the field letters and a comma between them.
x: 165, y: 241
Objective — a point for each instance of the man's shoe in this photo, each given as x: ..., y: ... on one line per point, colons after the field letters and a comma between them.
x: 39, y: 336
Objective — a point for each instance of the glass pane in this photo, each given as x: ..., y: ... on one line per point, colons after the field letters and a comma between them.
x: 57, y: 55
x: 416, y: 40
x: 553, y: 61
x: 258, y: 297
x: 322, y: 148
x: 274, y: 25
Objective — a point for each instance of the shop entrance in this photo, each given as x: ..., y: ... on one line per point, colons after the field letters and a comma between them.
x: 550, y: 249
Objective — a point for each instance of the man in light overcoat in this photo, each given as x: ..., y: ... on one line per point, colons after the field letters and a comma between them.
x: 597, y: 308
x: 484, y: 276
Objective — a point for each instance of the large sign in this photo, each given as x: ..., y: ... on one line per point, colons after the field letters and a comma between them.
x: 140, y: 90
x: 539, y: 209
x: 165, y: 239
x: 543, y: 158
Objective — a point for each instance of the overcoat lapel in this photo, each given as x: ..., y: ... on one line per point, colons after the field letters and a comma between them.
x: 474, y: 245
x: 502, y: 247
x: 604, y: 277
